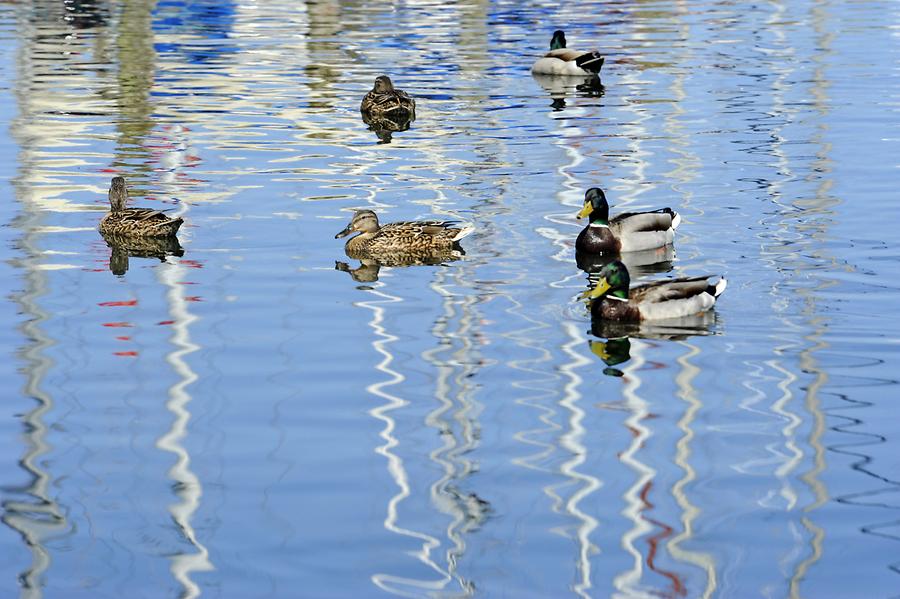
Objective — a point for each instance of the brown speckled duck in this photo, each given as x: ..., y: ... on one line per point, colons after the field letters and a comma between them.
x: 135, y: 222
x: 628, y: 232
x: 612, y: 299
x: 408, y: 237
x: 383, y: 99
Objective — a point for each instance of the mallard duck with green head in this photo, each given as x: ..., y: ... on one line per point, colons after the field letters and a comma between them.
x: 385, y: 100
x: 627, y: 232
x: 135, y: 222
x: 613, y: 299
x: 565, y: 61
x: 405, y: 237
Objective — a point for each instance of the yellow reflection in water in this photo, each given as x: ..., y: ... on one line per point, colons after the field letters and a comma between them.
x: 824, y: 35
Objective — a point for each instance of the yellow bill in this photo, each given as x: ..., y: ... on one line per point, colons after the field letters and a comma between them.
x: 586, y: 210
x: 601, y: 288
x: 599, y: 349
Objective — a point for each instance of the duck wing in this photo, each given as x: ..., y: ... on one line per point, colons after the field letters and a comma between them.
x: 675, y: 289
x: 591, y: 61
x: 677, y: 298
x: 143, y: 215
x: 634, y: 222
x: 419, y: 227
x: 566, y: 54
x: 388, y: 102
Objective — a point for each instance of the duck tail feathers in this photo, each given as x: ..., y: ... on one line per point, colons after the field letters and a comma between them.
x: 676, y: 220
x: 590, y: 61
x: 170, y: 227
x: 465, y: 231
x: 718, y: 288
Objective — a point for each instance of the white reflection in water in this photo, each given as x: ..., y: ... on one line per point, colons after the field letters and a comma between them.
x: 39, y: 518
x: 388, y: 582
x: 629, y: 582
x: 690, y: 513
x: 572, y: 442
x: 187, y: 485
x: 456, y: 417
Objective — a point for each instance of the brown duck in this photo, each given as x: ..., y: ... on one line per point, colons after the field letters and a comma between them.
x: 407, y: 238
x: 135, y: 222
x: 385, y: 100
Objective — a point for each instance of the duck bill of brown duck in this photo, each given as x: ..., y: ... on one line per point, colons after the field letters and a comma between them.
x: 346, y: 231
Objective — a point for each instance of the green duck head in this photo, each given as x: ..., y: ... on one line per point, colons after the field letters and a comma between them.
x: 614, y: 280
x: 613, y: 352
x: 595, y: 206
x: 383, y: 85
x: 559, y: 40
x: 364, y: 221
x: 118, y: 194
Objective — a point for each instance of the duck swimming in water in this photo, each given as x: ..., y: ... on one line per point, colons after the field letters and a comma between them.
x: 406, y: 237
x: 613, y: 300
x: 135, y: 222
x: 628, y: 232
x: 565, y: 61
x: 385, y: 100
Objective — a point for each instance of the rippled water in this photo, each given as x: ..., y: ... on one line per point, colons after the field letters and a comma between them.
x: 244, y: 420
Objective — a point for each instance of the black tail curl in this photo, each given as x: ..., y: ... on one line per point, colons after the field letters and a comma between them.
x: 590, y: 61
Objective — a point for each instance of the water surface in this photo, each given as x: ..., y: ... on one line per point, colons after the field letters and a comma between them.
x: 243, y: 420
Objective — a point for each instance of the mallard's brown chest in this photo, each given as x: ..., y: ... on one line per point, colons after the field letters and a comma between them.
x: 596, y: 239
x: 615, y: 310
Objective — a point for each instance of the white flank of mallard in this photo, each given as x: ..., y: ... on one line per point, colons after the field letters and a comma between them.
x: 677, y: 308
x: 646, y: 240
x: 551, y: 65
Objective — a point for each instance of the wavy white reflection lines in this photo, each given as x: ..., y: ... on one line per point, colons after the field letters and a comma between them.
x: 459, y: 431
x: 791, y: 455
x: 629, y: 582
x: 572, y: 441
x: 525, y: 338
x: 40, y: 518
x: 689, y: 512
x: 397, y: 471
x: 822, y: 23
x: 188, y: 487
x: 635, y: 132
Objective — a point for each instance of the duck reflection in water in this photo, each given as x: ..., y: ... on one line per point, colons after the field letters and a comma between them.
x: 613, y: 352
x: 561, y: 87
x: 124, y: 247
x: 644, y: 262
x: 369, y: 266
x: 614, y: 345
x: 385, y: 125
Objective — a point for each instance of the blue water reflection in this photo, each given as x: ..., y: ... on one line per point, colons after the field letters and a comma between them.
x: 232, y: 417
